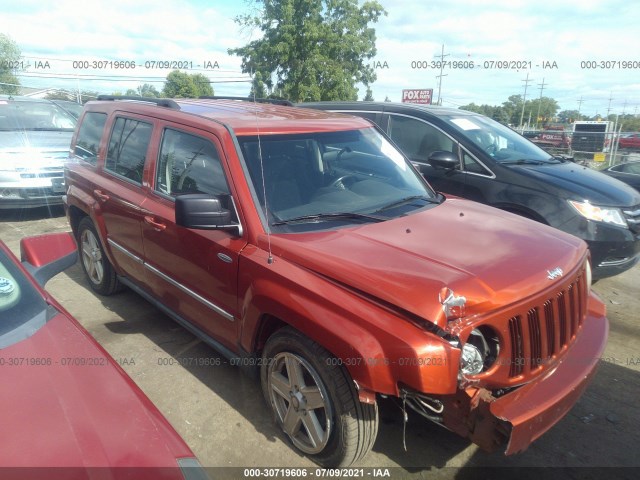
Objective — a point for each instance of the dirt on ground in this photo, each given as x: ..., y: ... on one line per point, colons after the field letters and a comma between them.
x: 222, y: 415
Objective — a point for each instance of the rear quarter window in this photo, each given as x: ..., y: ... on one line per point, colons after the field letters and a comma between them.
x: 128, y: 148
x: 89, y: 136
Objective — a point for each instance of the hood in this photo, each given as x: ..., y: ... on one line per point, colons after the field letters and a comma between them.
x: 45, y: 140
x: 583, y: 183
x: 80, y: 409
x: 490, y: 257
x: 29, y: 149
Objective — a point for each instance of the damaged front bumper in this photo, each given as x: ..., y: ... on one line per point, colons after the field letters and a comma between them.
x: 534, y: 408
x: 520, y: 416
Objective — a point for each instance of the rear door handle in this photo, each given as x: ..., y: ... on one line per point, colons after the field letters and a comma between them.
x: 158, y: 227
x: 101, y: 196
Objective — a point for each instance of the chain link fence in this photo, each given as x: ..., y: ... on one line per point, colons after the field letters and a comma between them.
x: 595, y: 149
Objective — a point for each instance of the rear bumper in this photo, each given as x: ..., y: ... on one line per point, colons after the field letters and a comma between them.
x: 534, y: 408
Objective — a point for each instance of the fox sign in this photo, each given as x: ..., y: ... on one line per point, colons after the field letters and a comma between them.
x: 417, y: 96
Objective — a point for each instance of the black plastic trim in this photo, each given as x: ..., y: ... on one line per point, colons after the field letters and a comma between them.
x: 161, y: 102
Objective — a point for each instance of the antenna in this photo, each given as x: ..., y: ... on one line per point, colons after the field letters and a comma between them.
x: 264, y: 187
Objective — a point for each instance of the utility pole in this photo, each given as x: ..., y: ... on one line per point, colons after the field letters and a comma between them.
x: 609, y: 107
x: 524, y: 100
x: 579, y: 105
x: 439, y: 77
x: 540, y: 102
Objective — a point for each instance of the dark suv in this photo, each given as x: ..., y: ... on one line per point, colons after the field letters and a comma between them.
x: 467, y: 154
x: 305, y: 244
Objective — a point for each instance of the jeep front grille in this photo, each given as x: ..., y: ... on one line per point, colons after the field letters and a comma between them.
x: 545, y: 330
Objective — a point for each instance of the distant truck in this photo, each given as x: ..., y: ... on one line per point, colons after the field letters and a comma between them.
x: 553, y: 136
x: 592, y: 136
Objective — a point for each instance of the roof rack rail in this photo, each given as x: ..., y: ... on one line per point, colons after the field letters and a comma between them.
x: 275, y: 101
x: 161, y: 102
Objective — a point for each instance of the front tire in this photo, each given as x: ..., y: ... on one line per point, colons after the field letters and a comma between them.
x: 97, y: 268
x: 315, y: 402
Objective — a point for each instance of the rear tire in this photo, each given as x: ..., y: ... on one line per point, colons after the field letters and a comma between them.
x: 97, y: 268
x: 315, y: 401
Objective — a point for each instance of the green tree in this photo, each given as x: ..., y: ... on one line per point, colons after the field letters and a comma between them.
x: 147, y: 90
x: 71, y: 95
x: 498, y: 113
x: 569, y: 116
x: 369, y: 96
x: 183, y: 85
x: 9, y: 61
x: 544, y: 109
x: 513, y: 109
x: 628, y: 123
x: 316, y: 50
x: 258, y: 88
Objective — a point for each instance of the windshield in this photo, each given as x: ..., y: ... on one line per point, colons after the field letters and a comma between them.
x: 501, y: 143
x: 22, y: 308
x: 32, y: 115
x: 343, y: 177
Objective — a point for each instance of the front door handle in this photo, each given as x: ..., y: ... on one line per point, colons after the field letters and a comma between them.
x: 158, y: 227
x: 103, y: 197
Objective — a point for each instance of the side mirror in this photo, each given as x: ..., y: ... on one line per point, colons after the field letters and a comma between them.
x: 442, y: 159
x: 44, y: 256
x: 202, y: 211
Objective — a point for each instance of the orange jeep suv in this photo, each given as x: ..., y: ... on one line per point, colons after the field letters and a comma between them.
x: 304, y: 244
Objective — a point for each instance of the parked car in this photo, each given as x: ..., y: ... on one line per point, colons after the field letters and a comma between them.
x: 72, y: 108
x: 628, y: 173
x: 34, y: 142
x: 630, y: 141
x: 305, y: 244
x: 469, y: 155
x: 66, y: 406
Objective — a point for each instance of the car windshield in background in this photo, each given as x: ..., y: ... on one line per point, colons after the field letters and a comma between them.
x: 34, y: 115
x: 332, y: 178
x: 72, y: 108
x: 503, y: 144
x: 22, y: 309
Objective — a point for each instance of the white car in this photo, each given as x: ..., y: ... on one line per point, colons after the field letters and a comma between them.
x: 34, y: 142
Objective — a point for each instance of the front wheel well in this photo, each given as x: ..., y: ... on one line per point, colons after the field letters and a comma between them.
x: 269, y: 324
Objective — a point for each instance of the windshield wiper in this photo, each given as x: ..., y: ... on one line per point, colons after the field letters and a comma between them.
x: 404, y: 200
x: 522, y: 161
x: 330, y: 216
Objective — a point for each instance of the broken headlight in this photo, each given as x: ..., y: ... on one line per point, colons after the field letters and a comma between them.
x: 479, y: 351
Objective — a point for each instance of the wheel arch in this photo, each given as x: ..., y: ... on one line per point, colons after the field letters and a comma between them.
x: 354, y: 345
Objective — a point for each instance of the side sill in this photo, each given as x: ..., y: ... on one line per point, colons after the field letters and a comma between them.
x: 245, y: 360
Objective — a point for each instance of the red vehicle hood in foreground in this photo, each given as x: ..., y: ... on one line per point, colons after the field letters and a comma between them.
x: 66, y: 406
x: 401, y: 260
x: 82, y: 410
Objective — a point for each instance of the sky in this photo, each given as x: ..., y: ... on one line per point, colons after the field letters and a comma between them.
x: 583, y: 53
